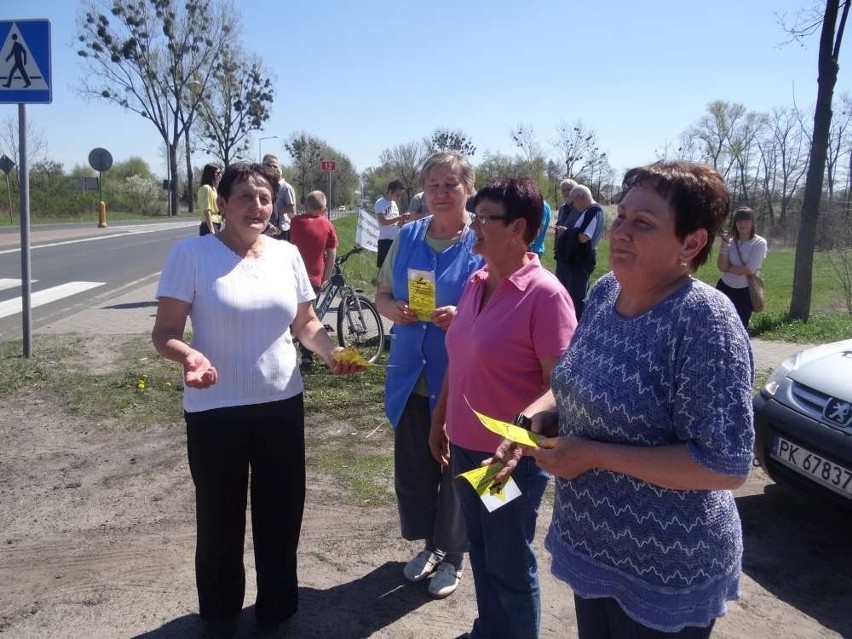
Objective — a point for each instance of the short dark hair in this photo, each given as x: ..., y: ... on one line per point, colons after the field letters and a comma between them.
x: 520, y: 198
x: 696, y: 192
x: 395, y: 186
x: 242, y: 171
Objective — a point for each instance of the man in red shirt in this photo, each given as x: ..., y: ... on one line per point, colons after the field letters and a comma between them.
x: 315, y: 237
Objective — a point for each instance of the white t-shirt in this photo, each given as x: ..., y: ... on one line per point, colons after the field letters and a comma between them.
x: 241, y: 314
x: 389, y: 210
x: 754, y: 252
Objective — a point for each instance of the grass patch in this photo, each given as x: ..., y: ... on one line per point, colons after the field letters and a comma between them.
x: 367, y: 476
x: 144, y: 391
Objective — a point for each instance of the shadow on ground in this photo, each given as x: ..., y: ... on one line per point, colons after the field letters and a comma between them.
x: 132, y: 305
x: 798, y: 549
x: 354, y: 610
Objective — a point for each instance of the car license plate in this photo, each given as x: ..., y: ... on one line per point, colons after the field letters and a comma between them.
x: 821, y: 470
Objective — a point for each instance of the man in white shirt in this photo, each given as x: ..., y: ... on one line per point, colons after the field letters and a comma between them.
x: 389, y: 219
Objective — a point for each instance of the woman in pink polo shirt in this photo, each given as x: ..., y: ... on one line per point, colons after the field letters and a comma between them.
x: 513, y: 322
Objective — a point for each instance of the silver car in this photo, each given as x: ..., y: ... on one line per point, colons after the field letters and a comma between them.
x: 803, y: 422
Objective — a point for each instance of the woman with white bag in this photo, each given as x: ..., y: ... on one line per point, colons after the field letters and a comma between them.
x: 740, y: 256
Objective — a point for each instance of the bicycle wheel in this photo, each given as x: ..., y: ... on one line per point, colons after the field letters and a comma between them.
x: 359, y: 325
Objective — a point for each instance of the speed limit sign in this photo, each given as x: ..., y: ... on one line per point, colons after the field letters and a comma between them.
x: 328, y: 165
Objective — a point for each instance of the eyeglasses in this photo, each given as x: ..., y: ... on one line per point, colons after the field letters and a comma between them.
x: 483, y: 219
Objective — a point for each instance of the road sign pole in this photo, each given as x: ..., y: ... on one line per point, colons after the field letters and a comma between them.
x: 24, y: 176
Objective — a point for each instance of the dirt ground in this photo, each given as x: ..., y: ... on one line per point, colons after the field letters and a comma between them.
x: 97, y: 537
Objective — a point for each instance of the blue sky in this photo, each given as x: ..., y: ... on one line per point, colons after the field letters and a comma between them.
x: 368, y: 75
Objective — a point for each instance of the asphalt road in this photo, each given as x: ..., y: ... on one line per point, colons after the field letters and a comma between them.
x: 74, y: 266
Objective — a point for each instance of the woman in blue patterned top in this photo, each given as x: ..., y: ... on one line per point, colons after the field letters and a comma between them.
x: 653, y: 399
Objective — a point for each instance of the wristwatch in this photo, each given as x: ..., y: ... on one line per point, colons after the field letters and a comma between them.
x: 523, y: 421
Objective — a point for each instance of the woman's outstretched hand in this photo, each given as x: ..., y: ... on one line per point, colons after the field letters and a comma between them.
x: 198, y: 372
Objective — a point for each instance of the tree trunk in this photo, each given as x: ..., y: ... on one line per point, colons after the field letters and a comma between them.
x: 800, y: 301
x: 174, y: 203
x: 190, y: 200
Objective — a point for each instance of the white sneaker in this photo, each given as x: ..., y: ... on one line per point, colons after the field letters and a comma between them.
x: 445, y: 581
x: 421, y: 566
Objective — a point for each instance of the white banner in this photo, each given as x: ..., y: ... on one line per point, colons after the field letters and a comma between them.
x: 367, y: 233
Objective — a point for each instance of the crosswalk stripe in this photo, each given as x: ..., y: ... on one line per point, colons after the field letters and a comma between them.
x: 7, y: 283
x: 48, y: 295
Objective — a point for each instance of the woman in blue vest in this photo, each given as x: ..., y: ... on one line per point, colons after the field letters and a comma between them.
x: 432, y: 259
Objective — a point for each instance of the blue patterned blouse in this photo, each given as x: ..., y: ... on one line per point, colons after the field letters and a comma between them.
x: 681, y: 372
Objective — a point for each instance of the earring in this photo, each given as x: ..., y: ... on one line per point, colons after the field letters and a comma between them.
x: 683, y: 262
x: 514, y: 241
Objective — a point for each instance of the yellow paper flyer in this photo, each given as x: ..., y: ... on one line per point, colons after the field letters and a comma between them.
x: 509, y: 431
x: 493, y: 494
x: 421, y: 293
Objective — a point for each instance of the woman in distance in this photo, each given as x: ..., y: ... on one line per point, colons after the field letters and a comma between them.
x: 512, y: 324
x: 652, y: 402
x: 741, y: 254
x: 248, y: 297
x: 439, y: 246
x: 211, y: 221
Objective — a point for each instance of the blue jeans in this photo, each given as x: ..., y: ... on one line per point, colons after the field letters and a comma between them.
x: 505, y: 571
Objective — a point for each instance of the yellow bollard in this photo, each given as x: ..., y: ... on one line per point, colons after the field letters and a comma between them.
x: 102, y: 215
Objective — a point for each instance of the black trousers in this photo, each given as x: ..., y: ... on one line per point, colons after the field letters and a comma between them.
x: 227, y: 446
x: 383, y: 248
x: 741, y: 299
x: 203, y: 230
x: 605, y: 619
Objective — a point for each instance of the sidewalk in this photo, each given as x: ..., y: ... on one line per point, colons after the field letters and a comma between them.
x: 133, y: 313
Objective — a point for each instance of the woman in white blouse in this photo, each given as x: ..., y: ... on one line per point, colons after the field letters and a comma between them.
x: 740, y: 255
x: 248, y: 296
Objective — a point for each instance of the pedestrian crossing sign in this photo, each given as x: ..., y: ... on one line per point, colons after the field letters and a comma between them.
x: 25, y: 62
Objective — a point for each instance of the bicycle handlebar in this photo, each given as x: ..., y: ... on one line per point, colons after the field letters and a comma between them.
x: 355, y: 249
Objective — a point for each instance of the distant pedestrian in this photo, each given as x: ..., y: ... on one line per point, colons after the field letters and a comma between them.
x: 389, y: 219
x: 211, y: 221
x: 749, y: 251
x: 576, y: 246
x: 537, y: 245
x: 285, y: 204
x: 316, y: 238
x: 417, y: 206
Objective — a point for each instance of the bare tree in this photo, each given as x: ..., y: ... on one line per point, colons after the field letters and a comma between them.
x: 236, y: 102
x: 533, y: 160
x: 831, y: 25
x: 449, y: 140
x: 782, y: 152
x: 838, y: 142
x: 306, y: 152
x: 403, y: 161
x: 144, y: 54
x: 9, y: 138
x: 575, y: 143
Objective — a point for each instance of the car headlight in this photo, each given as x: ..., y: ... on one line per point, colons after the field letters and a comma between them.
x: 778, y: 375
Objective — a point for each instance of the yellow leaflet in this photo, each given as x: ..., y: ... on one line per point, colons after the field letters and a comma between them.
x: 482, y: 480
x: 350, y: 355
x: 421, y: 293
x: 509, y: 431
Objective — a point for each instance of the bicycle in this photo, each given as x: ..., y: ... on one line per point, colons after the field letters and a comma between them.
x: 358, y: 322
